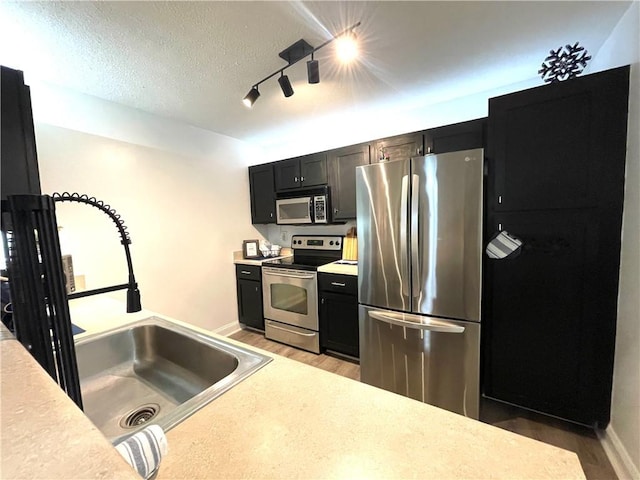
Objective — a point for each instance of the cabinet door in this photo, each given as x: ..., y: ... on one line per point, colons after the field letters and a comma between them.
x: 557, y: 146
x: 287, y: 174
x: 262, y: 191
x: 339, y: 323
x: 401, y: 147
x: 342, y: 165
x: 455, y: 137
x: 250, y: 303
x: 550, y: 344
x: 313, y: 170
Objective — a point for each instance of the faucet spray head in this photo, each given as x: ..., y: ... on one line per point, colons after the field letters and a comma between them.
x: 133, y: 298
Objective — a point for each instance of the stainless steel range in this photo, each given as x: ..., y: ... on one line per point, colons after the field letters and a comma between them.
x: 290, y: 290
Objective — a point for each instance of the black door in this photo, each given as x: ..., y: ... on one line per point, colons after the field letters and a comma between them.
x: 339, y: 323
x: 262, y: 190
x: 556, y: 157
x: 342, y: 179
x: 313, y: 170
x: 400, y: 147
x: 287, y: 174
x: 457, y: 136
x: 250, y: 303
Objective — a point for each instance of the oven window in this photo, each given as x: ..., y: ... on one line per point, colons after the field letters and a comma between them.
x: 290, y: 298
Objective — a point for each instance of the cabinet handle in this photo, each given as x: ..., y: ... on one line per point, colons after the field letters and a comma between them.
x: 335, y: 210
x: 295, y: 179
x: 338, y: 284
x: 302, y: 179
x: 245, y: 272
x: 271, y: 214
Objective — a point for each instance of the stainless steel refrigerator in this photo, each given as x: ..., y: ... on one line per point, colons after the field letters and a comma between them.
x: 419, y: 277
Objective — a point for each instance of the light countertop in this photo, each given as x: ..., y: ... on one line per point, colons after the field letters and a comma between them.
x: 288, y: 420
x: 340, y: 268
x: 239, y: 260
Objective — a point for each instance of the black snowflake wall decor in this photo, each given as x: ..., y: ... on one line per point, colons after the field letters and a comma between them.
x: 564, y: 63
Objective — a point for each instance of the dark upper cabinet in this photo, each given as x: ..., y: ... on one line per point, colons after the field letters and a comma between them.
x: 262, y: 190
x: 300, y: 172
x: 400, y: 147
x: 18, y: 147
x: 342, y: 165
x: 550, y: 146
x: 458, y: 136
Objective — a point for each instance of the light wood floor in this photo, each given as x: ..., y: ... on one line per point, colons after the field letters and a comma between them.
x: 575, y: 438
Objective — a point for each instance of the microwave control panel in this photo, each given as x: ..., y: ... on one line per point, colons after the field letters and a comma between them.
x: 320, y: 208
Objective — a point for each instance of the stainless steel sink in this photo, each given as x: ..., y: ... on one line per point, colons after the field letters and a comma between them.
x: 155, y: 371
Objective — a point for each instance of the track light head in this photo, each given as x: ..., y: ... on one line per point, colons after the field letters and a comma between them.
x: 285, y: 85
x: 251, y: 97
x: 313, y: 71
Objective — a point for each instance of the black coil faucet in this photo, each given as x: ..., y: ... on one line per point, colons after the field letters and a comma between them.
x: 133, y: 294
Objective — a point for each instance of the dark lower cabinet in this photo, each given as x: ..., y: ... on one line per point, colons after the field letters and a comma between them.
x: 550, y: 313
x: 249, y: 290
x: 339, y: 313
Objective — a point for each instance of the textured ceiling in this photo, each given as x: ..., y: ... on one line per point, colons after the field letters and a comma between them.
x: 195, y: 61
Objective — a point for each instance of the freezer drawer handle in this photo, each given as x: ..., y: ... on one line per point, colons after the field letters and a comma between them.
x: 338, y: 284
x: 433, y: 324
x: 291, y: 331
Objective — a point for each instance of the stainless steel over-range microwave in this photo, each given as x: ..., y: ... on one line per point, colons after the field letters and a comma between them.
x: 303, y: 207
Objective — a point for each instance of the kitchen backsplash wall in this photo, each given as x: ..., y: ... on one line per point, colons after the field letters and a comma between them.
x: 281, y: 234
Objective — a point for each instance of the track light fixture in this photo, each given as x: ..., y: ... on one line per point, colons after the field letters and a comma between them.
x: 285, y: 85
x: 251, y: 97
x: 313, y: 70
x: 293, y: 54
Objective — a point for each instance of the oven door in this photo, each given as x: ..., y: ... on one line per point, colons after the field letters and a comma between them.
x: 290, y: 296
x: 294, y: 211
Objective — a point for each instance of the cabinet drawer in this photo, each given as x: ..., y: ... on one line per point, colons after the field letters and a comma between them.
x: 248, y: 271
x: 331, y: 282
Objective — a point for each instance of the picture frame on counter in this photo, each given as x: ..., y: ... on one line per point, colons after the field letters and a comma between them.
x: 251, y: 249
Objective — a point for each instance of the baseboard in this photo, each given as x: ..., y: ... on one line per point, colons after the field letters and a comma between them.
x: 618, y: 455
x: 228, y: 329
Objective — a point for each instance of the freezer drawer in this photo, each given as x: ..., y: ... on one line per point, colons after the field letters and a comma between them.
x: 434, y: 360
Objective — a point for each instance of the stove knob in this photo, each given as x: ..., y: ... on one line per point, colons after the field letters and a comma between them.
x: 337, y: 242
x: 331, y: 242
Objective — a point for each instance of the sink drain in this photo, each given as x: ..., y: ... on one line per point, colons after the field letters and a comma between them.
x: 139, y: 416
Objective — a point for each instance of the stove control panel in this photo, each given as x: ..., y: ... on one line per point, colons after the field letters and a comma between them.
x: 317, y: 242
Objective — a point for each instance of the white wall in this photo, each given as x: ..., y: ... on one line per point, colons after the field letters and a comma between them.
x: 622, y: 438
x: 183, y: 193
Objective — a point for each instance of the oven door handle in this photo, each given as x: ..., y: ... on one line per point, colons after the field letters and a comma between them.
x: 302, y: 277
x: 291, y: 331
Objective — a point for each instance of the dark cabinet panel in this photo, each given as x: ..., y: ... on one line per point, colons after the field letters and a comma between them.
x: 458, y: 136
x: 342, y: 165
x: 550, y: 313
x: 549, y: 145
x: 18, y: 147
x: 249, y: 291
x: 262, y: 191
x: 339, y: 314
x: 300, y: 172
x: 400, y: 147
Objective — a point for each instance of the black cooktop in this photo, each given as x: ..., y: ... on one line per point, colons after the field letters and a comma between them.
x: 310, y: 252
x: 306, y: 263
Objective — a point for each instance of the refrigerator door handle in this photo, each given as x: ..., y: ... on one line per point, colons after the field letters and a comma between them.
x: 415, y: 257
x: 404, y: 256
x: 418, y: 322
